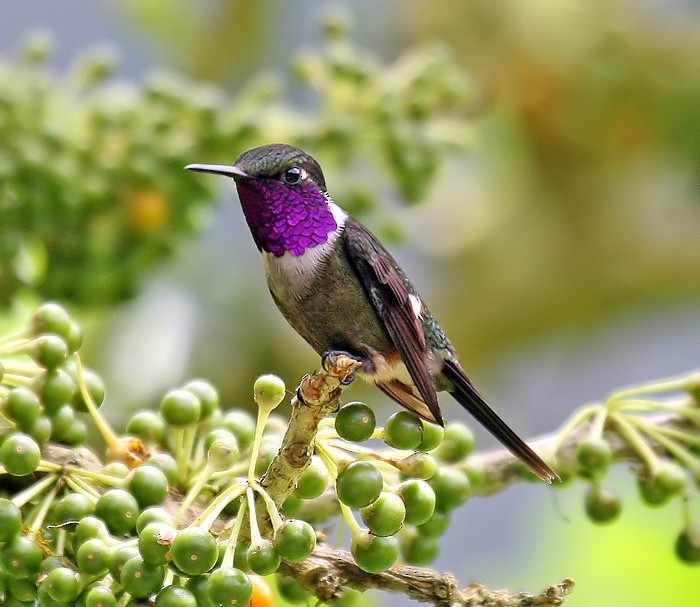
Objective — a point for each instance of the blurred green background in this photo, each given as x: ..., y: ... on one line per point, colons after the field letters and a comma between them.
x: 535, y: 167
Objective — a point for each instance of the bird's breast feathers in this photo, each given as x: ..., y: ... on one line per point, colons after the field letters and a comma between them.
x: 292, y: 276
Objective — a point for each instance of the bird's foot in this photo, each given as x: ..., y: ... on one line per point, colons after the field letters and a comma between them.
x: 342, y: 364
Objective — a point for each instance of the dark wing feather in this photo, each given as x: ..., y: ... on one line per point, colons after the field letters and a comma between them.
x: 388, y: 290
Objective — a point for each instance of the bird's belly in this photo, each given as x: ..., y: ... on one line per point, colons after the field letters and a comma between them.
x: 322, y: 299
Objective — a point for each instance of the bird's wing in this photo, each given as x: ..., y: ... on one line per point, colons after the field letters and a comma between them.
x: 392, y: 297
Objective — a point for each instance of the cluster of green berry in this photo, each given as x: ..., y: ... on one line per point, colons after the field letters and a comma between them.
x: 94, y: 192
x: 669, y: 454
x: 39, y: 388
x: 147, y: 522
x: 404, y: 494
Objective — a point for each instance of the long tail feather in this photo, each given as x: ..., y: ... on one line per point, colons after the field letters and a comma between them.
x: 467, y: 395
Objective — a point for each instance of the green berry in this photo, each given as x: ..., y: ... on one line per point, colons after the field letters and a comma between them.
x: 62, y: 584
x: 384, y: 516
x: 228, y: 586
x: 19, y: 454
x: 175, y: 596
x: 118, y: 509
x: 593, y: 455
x: 49, y: 563
x: 10, y: 520
x: 602, y: 505
x: 50, y: 350
x: 95, y: 389
x: 403, y: 430
x: 74, y: 337
x: 418, y: 549
x: 292, y: 591
x: 23, y: 406
x: 41, y: 429
x: 374, y: 554
x: 180, y: 408
x: 22, y: 590
x: 671, y: 477
x: 197, y: 586
x: 476, y: 473
x: 242, y: 424
x: 141, y: 579
x: 100, y: 596
x: 149, y: 426
x: 263, y: 558
x: 119, y: 558
x: 93, y: 557
x: 359, y: 484
x: 148, y: 485
x: 291, y: 506
x: 76, y: 434
x: 61, y: 422
x: 355, y: 422
x: 222, y: 448
x: 56, y: 388
x: 21, y: 557
x: 688, y: 544
x: 89, y: 527
x: 51, y: 318
x: 435, y: 526
x: 155, y: 541
x: 418, y: 465
x: 432, y: 436
x: 313, y: 481
x: 206, y: 393
x: 419, y: 500
x: 295, y: 540
x: 167, y: 464
x: 240, y: 555
x: 650, y: 491
x: 268, y: 391
x: 72, y: 507
x: 153, y: 514
x: 457, y: 443
x: 118, y: 469
x: 194, y: 551
x: 451, y: 488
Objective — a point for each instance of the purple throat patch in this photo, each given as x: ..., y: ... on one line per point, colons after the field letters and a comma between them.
x: 283, y: 219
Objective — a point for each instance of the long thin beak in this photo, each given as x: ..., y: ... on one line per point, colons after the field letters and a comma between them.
x: 220, y: 169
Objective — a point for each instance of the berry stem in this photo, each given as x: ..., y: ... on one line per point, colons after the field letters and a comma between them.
x: 79, y: 486
x: 194, y: 490
x: 209, y: 514
x: 255, y: 536
x: 355, y: 529
x: 683, y: 383
x: 634, y: 439
x: 24, y: 497
x: 272, y: 510
x: 678, y: 451
x: 43, y: 510
x: 19, y: 334
x: 103, y: 479
x: 327, y: 458
x: 263, y: 414
x: 574, y: 421
x: 230, y: 551
x: 17, y: 346
x: 598, y: 423
x: 108, y: 434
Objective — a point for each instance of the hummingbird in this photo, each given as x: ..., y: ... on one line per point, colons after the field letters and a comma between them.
x: 344, y: 293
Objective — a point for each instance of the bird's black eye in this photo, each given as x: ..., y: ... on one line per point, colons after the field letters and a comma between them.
x: 292, y: 175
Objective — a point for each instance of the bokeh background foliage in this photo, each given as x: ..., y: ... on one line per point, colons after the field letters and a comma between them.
x: 540, y: 162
